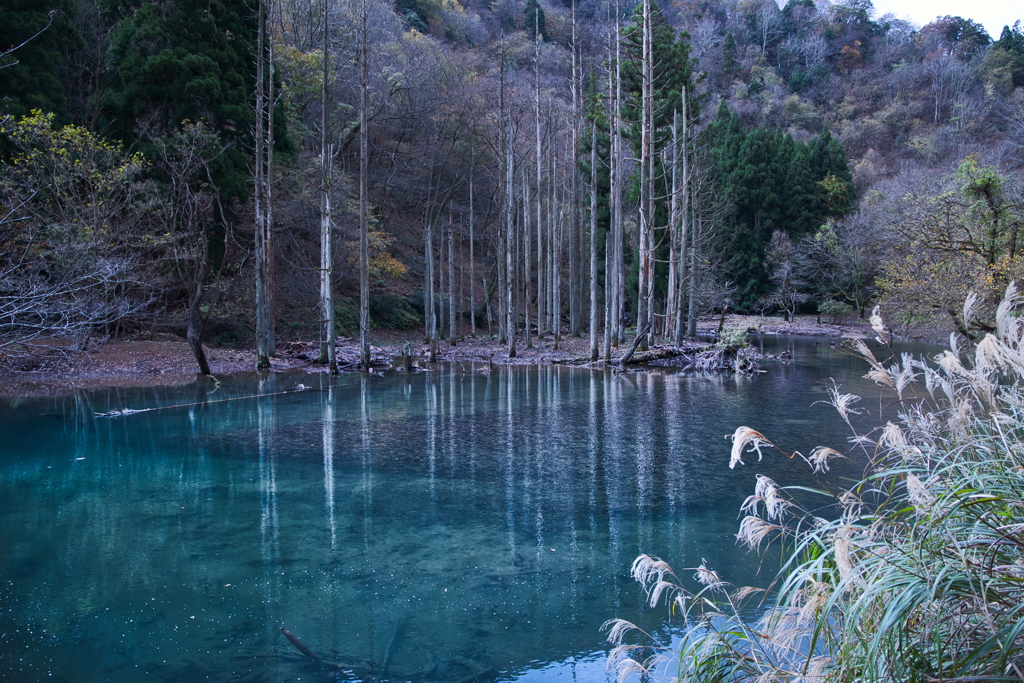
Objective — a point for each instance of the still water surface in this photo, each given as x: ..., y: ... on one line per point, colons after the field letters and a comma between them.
x: 436, y: 523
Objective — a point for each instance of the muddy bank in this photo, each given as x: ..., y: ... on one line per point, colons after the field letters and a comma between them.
x: 167, y: 360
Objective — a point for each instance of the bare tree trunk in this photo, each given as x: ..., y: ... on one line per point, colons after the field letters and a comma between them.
x: 620, y: 261
x: 487, y: 301
x: 557, y: 248
x: 644, y: 220
x: 538, y: 156
x: 684, y: 227
x: 262, y: 195
x: 575, y: 231
x: 593, y: 245
x: 364, y: 219
x: 671, y: 300
x: 428, y: 291
x: 550, y: 256
x: 194, y: 328
x: 527, y: 293
x: 328, y: 353
x: 472, y: 274
x: 503, y: 275
x: 691, y: 316
x: 612, y: 243
x: 510, y: 313
x: 451, y: 275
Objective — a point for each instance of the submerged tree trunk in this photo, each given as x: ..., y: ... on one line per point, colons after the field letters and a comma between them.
x: 472, y: 267
x: 364, y: 219
x: 194, y: 328
x: 263, y: 147
x: 510, y: 314
x: 429, y: 317
x: 593, y: 246
x: 328, y: 351
x: 452, y: 313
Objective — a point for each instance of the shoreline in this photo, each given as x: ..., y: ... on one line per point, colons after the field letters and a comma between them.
x: 168, y: 360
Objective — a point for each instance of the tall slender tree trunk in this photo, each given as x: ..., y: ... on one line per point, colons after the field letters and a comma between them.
x: 684, y: 227
x: 557, y: 232
x: 672, y: 298
x: 452, y: 313
x: 508, y: 195
x: 194, y: 324
x: 441, y: 275
x: 612, y: 243
x: 429, y: 316
x: 510, y: 313
x: 472, y: 262
x: 264, y: 144
x: 527, y: 260
x: 364, y: 218
x: 645, y: 238
x: 593, y: 246
x: 575, y: 231
x: 691, y: 315
x: 328, y: 353
x: 538, y: 156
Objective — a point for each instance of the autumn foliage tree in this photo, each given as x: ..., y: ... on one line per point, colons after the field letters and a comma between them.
x: 960, y: 234
x: 76, y: 248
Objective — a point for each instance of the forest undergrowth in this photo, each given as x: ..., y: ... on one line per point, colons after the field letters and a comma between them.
x: 917, y: 576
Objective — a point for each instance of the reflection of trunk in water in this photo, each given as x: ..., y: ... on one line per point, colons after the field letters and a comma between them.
x: 270, y: 542
x: 327, y: 436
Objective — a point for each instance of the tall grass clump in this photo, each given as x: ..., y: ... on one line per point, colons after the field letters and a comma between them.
x: 918, y: 573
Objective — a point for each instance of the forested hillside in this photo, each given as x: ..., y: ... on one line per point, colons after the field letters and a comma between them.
x: 243, y: 172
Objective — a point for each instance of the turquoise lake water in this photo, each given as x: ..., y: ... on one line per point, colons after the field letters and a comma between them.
x: 435, y: 525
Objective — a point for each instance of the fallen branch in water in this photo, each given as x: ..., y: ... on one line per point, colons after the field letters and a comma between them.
x: 370, y: 670
x: 121, y: 412
x: 294, y: 640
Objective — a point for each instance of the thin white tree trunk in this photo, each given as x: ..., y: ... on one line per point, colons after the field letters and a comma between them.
x: 541, y: 268
x: 428, y: 291
x: 527, y: 289
x: 364, y: 219
x: 472, y: 266
x: 263, y: 145
x: 451, y: 276
x: 510, y: 315
x: 593, y: 246
x: 328, y: 352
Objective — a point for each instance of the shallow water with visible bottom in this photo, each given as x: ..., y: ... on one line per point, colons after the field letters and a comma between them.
x: 435, y: 526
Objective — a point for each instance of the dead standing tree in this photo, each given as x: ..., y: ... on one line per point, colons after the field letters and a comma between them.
x: 263, y: 179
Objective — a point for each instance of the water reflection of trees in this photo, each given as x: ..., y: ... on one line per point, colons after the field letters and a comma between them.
x: 490, y: 516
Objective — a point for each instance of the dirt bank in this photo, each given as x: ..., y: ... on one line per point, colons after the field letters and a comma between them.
x: 167, y: 360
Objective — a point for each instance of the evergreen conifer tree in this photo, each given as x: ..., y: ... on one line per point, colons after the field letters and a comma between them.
x: 173, y: 61
x: 534, y: 21
x: 730, y: 65
x: 30, y: 76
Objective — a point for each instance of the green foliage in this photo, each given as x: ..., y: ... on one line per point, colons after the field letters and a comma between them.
x: 387, y: 311
x: 772, y: 183
x: 393, y: 312
x: 30, y: 77
x: 534, y: 21
x: 730, y: 66
x: 172, y: 61
x: 414, y: 13
x: 963, y: 233
x: 672, y: 71
x: 835, y: 312
x: 76, y: 250
x: 732, y: 339
x: 916, y: 574
x: 963, y: 38
x: 346, y: 315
